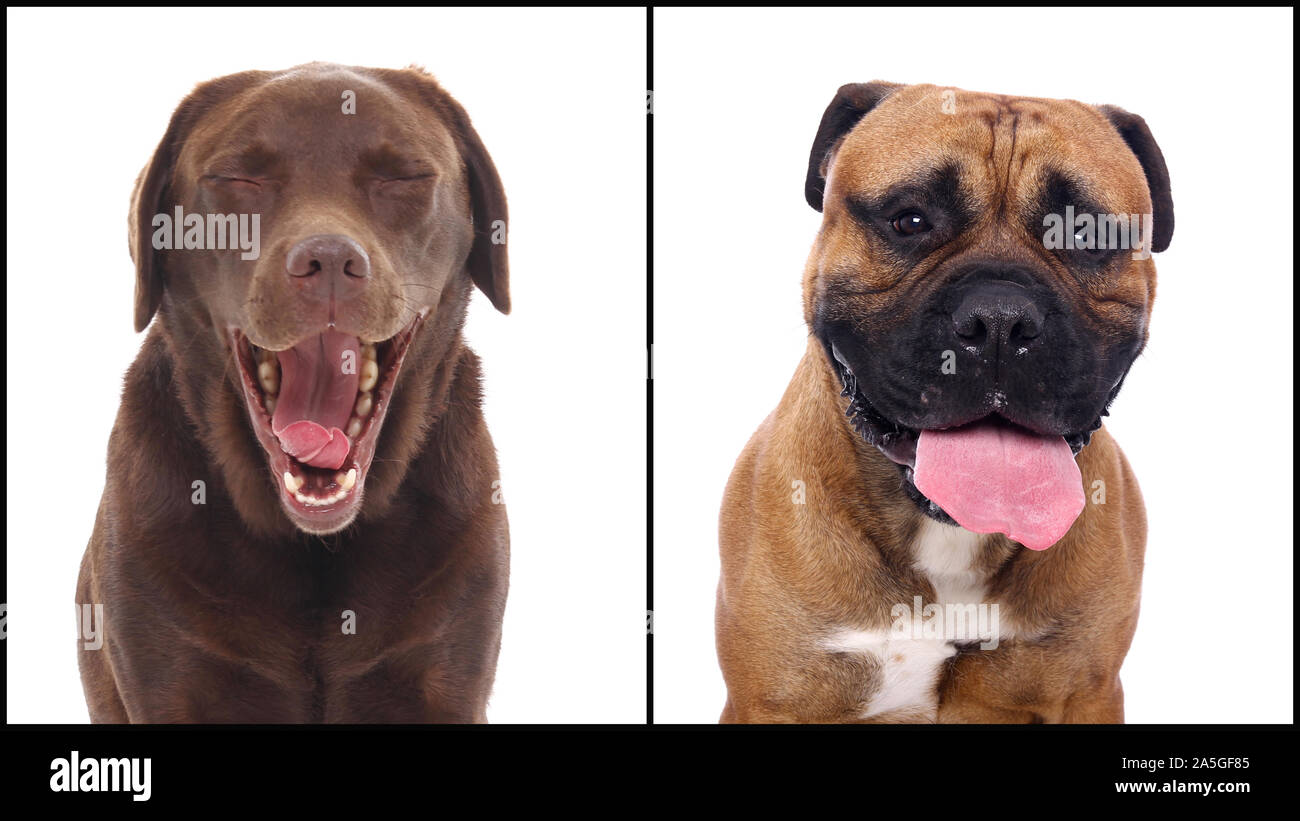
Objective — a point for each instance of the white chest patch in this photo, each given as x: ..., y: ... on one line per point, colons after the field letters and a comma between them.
x: 946, y: 556
x: 910, y: 664
x: 909, y: 671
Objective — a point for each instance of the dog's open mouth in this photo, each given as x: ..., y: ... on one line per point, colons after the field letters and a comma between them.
x: 988, y: 475
x: 317, y: 409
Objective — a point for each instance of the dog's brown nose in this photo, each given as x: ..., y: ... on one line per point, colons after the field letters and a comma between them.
x: 329, y: 264
x: 995, y: 315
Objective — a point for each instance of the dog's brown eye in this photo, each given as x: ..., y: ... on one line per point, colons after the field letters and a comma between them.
x: 1089, y: 246
x: 910, y: 224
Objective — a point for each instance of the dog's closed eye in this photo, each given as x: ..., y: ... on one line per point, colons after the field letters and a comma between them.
x: 414, y: 178
x: 407, y: 188
x: 238, y: 184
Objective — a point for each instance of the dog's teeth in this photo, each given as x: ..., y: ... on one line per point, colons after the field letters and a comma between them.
x: 369, y: 375
x: 364, y: 403
x: 368, y: 352
x: 269, y: 375
x: 354, y: 428
x: 345, y: 482
x: 321, y: 501
x: 270, y: 405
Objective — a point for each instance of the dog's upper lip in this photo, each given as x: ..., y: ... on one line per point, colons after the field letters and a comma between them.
x: 258, y: 339
x: 898, y: 440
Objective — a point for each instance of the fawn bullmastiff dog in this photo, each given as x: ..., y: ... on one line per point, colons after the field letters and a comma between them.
x: 933, y: 525
x: 299, y: 522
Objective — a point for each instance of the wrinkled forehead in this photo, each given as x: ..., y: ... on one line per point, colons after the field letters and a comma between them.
x: 312, y: 116
x: 994, y: 146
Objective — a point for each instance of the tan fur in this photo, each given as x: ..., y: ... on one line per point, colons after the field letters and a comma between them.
x: 794, y: 573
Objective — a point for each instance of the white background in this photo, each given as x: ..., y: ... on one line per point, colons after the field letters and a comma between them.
x: 1205, y: 416
x: 558, y: 99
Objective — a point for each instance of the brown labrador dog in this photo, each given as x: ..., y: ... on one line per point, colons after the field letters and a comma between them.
x: 301, y: 520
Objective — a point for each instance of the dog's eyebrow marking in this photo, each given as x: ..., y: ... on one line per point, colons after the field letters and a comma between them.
x: 256, y: 158
x: 1058, y: 188
x: 935, y: 185
x: 388, y: 159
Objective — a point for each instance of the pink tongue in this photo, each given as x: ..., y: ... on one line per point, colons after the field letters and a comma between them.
x: 311, y: 444
x: 316, y: 398
x: 995, y: 478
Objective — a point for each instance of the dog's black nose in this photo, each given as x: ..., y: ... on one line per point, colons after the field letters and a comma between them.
x: 997, y: 314
x: 329, y: 264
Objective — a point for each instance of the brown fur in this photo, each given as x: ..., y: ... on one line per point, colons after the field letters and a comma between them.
x: 792, y: 573
x: 225, y: 611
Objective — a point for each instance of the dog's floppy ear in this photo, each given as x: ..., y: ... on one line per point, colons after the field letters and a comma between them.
x: 152, y: 194
x: 148, y: 274
x: 851, y: 104
x: 1135, y: 132
x: 488, y: 265
x: 147, y: 200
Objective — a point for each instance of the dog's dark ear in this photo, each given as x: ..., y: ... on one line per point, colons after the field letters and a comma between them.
x: 851, y: 103
x: 139, y: 230
x: 488, y: 265
x: 152, y: 194
x: 1135, y: 132
x: 150, y: 197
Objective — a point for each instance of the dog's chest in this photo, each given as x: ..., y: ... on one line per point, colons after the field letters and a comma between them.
x: 909, y: 658
x: 300, y: 630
